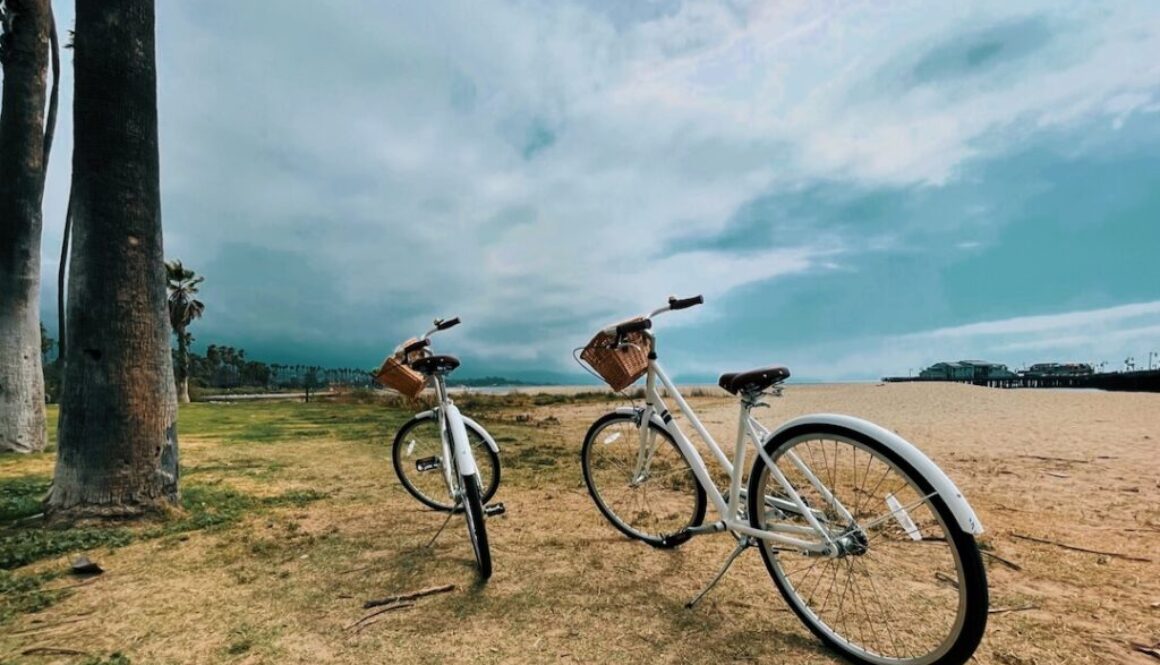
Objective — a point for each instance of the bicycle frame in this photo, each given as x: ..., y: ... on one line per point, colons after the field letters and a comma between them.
x: 731, y: 508
x: 453, y: 434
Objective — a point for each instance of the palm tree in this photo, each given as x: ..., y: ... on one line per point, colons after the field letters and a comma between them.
x: 27, y: 35
x: 117, y: 442
x: 183, y: 309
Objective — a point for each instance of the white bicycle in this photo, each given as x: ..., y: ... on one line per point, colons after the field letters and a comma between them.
x: 869, y: 542
x: 444, y: 459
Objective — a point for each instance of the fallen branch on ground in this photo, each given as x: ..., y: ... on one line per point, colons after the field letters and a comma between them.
x: 1079, y: 549
x: 52, y: 651
x: 353, y: 570
x: 1151, y: 650
x: 361, y: 623
x: 408, y: 596
x: 396, y: 602
x: 943, y: 577
x: 1010, y: 564
x: 50, y: 626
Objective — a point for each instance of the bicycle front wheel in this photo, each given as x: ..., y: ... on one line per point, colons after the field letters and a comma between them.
x: 646, y: 493
x: 418, y: 445
x: 476, y: 525
x: 908, y: 585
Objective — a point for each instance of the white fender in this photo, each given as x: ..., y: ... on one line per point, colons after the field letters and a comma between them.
x: 471, y: 424
x: 946, y: 489
x: 483, y: 433
x: 460, y: 445
x: 630, y: 411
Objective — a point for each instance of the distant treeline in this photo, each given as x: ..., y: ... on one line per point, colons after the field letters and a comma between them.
x: 226, y: 367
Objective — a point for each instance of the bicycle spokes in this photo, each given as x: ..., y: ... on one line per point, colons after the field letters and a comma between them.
x: 893, y: 585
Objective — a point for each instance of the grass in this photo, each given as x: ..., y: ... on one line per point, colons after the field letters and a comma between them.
x: 250, y: 470
x: 24, y: 541
x: 20, y: 496
x: 292, y: 518
x: 25, y: 594
x: 204, y: 507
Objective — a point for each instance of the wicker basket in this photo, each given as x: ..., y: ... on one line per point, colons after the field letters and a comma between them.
x: 394, y: 374
x: 619, y: 367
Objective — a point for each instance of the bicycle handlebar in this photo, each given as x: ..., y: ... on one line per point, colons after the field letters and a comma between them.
x: 440, y: 325
x: 645, y: 322
x: 425, y: 341
x: 633, y: 326
x: 416, y: 346
x: 676, y: 303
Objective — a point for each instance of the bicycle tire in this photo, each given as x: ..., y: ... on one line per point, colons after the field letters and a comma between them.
x: 476, y: 523
x: 684, y: 483
x: 403, y: 462
x: 970, y: 584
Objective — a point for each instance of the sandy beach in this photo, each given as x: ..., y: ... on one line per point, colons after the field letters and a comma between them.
x: 1080, y: 468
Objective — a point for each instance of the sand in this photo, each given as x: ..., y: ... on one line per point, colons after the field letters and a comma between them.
x: 1081, y: 468
x: 1078, y: 468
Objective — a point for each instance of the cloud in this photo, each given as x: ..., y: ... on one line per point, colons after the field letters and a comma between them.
x: 344, y: 175
x: 1097, y: 321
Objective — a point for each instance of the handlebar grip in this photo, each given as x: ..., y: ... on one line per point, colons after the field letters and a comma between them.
x: 633, y: 326
x: 416, y: 345
x: 676, y: 303
x: 449, y: 323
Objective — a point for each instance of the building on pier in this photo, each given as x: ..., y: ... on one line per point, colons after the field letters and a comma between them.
x: 967, y: 370
x: 1058, y: 369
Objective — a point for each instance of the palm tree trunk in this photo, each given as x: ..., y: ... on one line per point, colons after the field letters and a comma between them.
x: 182, y: 367
x: 118, y: 416
x: 22, y: 162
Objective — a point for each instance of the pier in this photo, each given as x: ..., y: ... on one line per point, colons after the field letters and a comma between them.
x: 1137, y: 381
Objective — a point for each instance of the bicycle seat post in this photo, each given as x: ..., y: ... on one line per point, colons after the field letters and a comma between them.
x: 441, y: 389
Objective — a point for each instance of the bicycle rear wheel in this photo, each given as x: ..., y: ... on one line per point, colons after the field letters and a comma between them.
x: 476, y: 523
x: 909, y: 585
x: 664, y: 499
x: 419, y: 441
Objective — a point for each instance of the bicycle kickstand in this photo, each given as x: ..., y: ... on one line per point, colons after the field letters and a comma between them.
x: 743, y: 543
x: 443, y: 526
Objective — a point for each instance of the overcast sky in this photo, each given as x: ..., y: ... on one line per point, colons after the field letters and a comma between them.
x: 857, y: 188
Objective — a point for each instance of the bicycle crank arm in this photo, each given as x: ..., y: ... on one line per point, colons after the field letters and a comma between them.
x: 684, y: 535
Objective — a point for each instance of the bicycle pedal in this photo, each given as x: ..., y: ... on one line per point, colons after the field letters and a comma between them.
x: 494, y: 509
x: 428, y: 464
x: 678, y: 538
